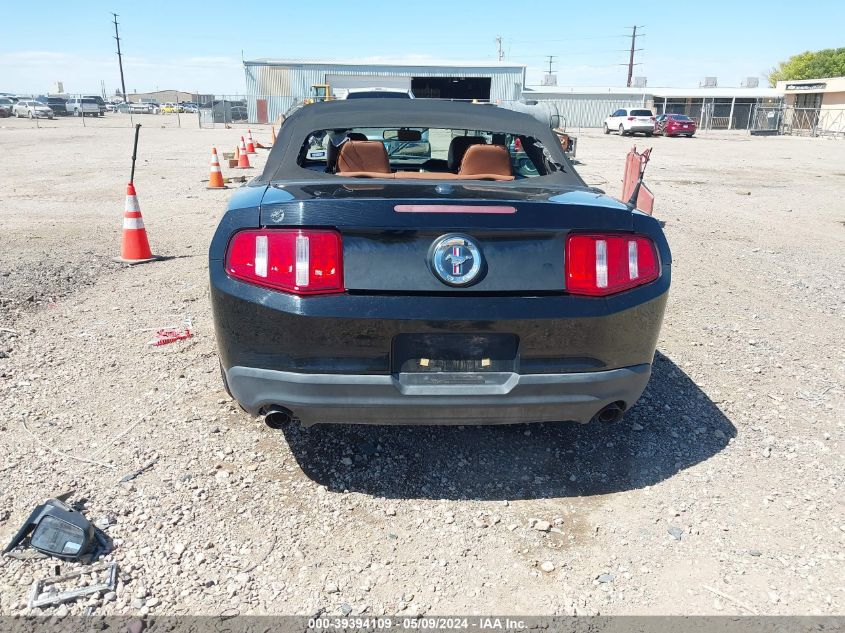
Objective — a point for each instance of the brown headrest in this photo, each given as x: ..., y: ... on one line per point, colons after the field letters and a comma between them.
x: 458, y: 147
x: 363, y: 156
x: 486, y: 159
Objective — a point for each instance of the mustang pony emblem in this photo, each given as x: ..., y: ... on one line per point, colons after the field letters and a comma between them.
x: 456, y: 259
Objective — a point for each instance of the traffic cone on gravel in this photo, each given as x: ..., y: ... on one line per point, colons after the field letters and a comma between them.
x: 243, y: 159
x: 250, y: 144
x: 215, y: 176
x: 134, y: 249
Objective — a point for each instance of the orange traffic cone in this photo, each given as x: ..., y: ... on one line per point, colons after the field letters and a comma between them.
x: 134, y: 249
x: 250, y: 145
x: 243, y: 159
x: 215, y: 176
x: 273, y: 133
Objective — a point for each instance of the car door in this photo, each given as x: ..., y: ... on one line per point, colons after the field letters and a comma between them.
x: 621, y: 118
x: 613, y: 120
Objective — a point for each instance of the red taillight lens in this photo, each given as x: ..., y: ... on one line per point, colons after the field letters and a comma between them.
x: 630, y: 118
x: 301, y: 262
x: 603, y: 264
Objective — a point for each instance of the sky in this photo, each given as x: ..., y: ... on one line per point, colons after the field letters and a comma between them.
x: 198, y: 46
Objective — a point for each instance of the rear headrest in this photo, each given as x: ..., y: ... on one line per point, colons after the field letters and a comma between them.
x: 357, y: 136
x: 367, y: 156
x: 486, y: 159
x: 458, y: 147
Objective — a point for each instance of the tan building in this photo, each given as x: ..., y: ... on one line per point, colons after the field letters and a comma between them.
x: 168, y: 96
x: 816, y: 106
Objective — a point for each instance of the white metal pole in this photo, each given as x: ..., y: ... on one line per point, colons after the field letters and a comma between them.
x: 731, y: 115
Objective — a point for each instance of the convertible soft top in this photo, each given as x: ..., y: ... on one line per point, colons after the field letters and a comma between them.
x: 412, y: 113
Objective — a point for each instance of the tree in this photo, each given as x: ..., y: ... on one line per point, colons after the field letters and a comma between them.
x: 829, y: 62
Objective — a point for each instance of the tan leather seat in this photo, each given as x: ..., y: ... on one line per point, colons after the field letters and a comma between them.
x: 486, y: 159
x: 363, y: 156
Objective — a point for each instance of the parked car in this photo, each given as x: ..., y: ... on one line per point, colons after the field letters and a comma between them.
x: 6, y: 105
x: 223, y: 111
x: 357, y: 287
x: 101, y: 104
x: 378, y: 93
x: 190, y: 107
x: 630, y: 121
x: 32, y: 109
x: 57, y: 104
x: 82, y: 106
x: 674, y: 125
x: 112, y: 106
x: 170, y: 108
x: 239, y: 113
x: 139, y: 108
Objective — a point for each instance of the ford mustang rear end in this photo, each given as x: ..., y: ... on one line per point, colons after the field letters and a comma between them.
x: 382, y: 272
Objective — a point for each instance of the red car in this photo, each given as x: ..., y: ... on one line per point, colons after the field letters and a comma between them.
x: 674, y: 125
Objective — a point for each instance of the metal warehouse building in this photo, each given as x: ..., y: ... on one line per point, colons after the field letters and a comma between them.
x: 712, y: 108
x: 273, y: 86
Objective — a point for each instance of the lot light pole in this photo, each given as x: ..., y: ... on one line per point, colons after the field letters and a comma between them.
x: 119, y: 58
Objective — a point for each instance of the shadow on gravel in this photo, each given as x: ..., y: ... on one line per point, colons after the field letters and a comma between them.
x: 681, y: 427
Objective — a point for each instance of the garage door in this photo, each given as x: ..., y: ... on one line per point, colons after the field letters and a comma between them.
x: 341, y: 83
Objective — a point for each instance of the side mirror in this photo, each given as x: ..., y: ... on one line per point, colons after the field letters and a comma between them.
x: 59, y: 530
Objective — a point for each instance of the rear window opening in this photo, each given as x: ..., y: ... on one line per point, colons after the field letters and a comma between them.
x: 642, y: 113
x: 425, y: 153
x: 378, y: 94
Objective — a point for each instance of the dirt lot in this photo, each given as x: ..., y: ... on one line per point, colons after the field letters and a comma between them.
x: 720, y: 492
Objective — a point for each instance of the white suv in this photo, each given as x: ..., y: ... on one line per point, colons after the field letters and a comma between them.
x: 630, y: 121
x: 82, y: 106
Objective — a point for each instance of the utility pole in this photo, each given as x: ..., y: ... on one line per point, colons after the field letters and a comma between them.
x: 631, y: 63
x: 551, y: 58
x: 119, y: 58
x: 499, y: 43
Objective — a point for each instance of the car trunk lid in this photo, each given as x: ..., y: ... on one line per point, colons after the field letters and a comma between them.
x: 392, y: 233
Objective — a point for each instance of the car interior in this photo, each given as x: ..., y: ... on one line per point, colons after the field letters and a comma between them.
x: 428, y: 154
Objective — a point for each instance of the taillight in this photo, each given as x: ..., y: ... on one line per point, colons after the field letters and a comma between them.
x: 603, y: 264
x: 630, y: 118
x: 299, y: 261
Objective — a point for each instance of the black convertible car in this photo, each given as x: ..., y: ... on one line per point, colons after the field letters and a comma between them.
x: 419, y: 262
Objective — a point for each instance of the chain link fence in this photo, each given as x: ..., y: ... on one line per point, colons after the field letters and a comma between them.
x: 205, y: 112
x: 787, y: 119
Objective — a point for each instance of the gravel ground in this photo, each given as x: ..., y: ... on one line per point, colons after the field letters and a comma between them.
x: 720, y: 492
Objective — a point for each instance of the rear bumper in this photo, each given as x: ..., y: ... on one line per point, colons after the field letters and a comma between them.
x: 415, y: 399
x: 640, y: 128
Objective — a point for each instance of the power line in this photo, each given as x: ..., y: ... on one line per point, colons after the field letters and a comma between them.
x: 633, y: 50
x: 119, y: 58
x: 571, y: 39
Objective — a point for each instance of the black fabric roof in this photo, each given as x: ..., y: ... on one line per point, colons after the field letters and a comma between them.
x: 388, y: 113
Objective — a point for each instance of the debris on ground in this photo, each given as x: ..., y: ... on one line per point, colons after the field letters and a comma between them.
x: 165, y: 336
x: 44, y: 592
x: 131, y: 475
